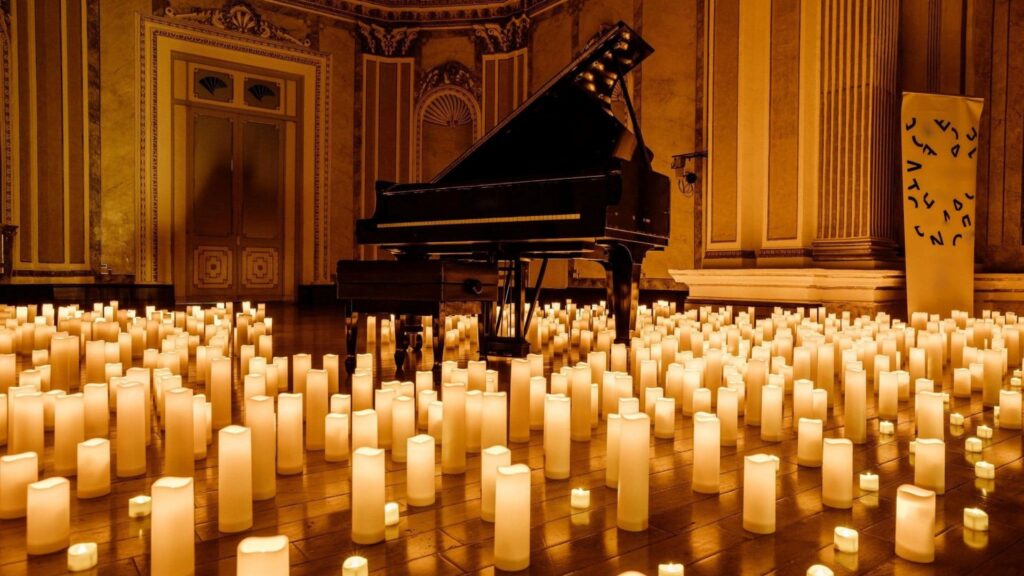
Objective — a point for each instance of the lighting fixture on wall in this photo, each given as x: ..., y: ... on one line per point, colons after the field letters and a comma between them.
x: 686, y: 170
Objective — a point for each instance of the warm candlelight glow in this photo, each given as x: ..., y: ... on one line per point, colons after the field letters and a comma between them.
x: 234, y: 479
x: 634, y: 472
x: 759, y: 471
x: 915, y: 524
x: 846, y: 540
x: 139, y: 506
x: 869, y: 482
x: 368, y: 495
x: 975, y: 519
x: 391, y: 517
x: 512, y: 518
x: 355, y: 566
x: 172, y: 539
x: 265, y: 556
x: 579, y: 498
x: 82, y: 556
x: 48, y: 513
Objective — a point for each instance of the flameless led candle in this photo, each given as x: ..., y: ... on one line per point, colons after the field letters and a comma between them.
x: 289, y: 433
x: 915, y: 524
x: 391, y: 516
x: 759, y: 493
x: 367, y: 495
x: 234, y: 479
x: 178, y: 439
x: 837, y: 473
x: 512, y: 518
x: 491, y: 458
x: 809, y: 442
x: 706, y: 452
x: 930, y: 465
x: 1010, y: 409
x: 519, y: 405
x: 650, y: 399
x: 868, y: 482
x: 17, y: 471
x: 665, y: 417
x: 771, y: 413
x: 364, y: 429
x: 701, y: 400
x: 263, y: 556
x: 26, y: 422
x: 580, y: 393
x: 355, y: 566
x: 435, y: 419
x: 557, y: 415
x: 975, y: 519
x: 985, y: 431
x: 131, y: 437
x: 336, y: 437
x: 420, y: 468
x: 855, y: 406
x: 985, y: 470
x: 82, y: 557
x: 69, y: 430
x: 992, y: 361
x: 48, y: 524
x: 634, y: 472
x: 316, y: 399
x: 259, y: 418
x: 453, y: 429
x: 962, y: 382
x: 172, y: 539
x: 140, y: 506
x: 494, y: 427
x: 93, y: 461
x: 888, y: 395
x: 220, y: 390
x: 846, y: 540
x: 538, y: 391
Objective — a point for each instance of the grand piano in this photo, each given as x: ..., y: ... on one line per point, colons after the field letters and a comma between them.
x: 566, y: 175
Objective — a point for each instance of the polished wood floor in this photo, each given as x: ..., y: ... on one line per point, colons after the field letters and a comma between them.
x: 704, y: 532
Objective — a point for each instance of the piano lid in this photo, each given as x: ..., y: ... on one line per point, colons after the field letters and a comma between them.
x: 567, y: 127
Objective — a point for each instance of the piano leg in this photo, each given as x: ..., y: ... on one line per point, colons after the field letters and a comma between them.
x: 401, y: 343
x: 623, y: 267
x: 351, y: 334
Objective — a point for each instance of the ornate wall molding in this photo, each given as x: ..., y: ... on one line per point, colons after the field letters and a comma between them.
x: 450, y: 73
x: 7, y: 157
x: 496, y: 38
x: 391, y: 42
x: 456, y: 13
x: 237, y: 16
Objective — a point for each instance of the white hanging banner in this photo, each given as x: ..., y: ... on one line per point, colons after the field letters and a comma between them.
x: 939, y: 166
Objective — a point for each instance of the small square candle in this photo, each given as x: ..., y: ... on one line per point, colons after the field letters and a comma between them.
x: 886, y: 427
x: 985, y: 470
x: 140, y: 506
x: 670, y: 570
x: 956, y: 419
x: 984, y: 432
x: 391, y: 514
x: 355, y: 566
x: 869, y: 482
x: 82, y: 557
x: 580, y: 498
x: 913, y: 446
x: 945, y: 397
x: 819, y: 570
x: 975, y: 519
x: 846, y: 539
x: 973, y: 444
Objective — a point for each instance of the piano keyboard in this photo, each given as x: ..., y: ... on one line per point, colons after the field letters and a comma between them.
x: 469, y: 221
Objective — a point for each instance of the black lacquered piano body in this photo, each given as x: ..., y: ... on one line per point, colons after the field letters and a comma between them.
x: 564, y: 176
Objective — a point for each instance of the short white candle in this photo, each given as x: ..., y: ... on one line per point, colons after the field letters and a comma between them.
x: 289, y: 433
x: 975, y: 519
x: 915, y: 524
x: 266, y: 556
x: 140, y: 506
x: 301, y: 364
x: 984, y: 432
x: 819, y: 570
x: 259, y: 418
x: 69, y: 430
x: 368, y: 495
x: 837, y: 473
x: 759, y: 471
x: 355, y: 566
x: 362, y: 390
x: 336, y: 437
x: 886, y: 428
x: 178, y: 438
x: 48, y: 513
x: 809, y: 442
x: 846, y: 540
x: 512, y: 518
x: 972, y: 445
x: 93, y: 468
x: 634, y: 472
x: 985, y: 470
x: 1009, y: 409
x: 701, y: 400
x: 580, y: 498
x: 491, y: 458
x: 665, y: 417
x: 771, y: 413
x: 869, y: 482
x: 670, y: 569
x: 391, y: 516
x: 82, y: 557
x: 172, y: 539
x: 97, y: 410
x: 420, y: 466
x: 706, y: 453
x: 956, y: 419
x: 17, y: 471
x: 494, y: 425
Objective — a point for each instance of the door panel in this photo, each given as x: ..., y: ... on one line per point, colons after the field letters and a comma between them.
x: 261, y: 215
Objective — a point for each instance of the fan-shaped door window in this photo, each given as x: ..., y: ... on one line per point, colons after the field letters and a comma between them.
x: 447, y: 128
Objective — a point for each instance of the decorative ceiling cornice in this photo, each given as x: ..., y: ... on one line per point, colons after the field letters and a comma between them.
x: 448, y: 13
x: 386, y: 41
x: 450, y: 73
x: 237, y: 16
x: 496, y: 38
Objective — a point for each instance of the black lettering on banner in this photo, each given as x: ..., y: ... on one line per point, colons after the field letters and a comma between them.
x: 913, y: 166
x: 973, y: 135
x: 958, y: 204
x: 913, y: 122
x: 914, y: 200
x: 955, y: 150
x: 928, y: 203
x: 945, y: 215
x: 972, y: 152
x: 914, y: 186
x: 966, y: 220
x: 917, y: 229
x: 942, y: 124
x: 957, y: 237
x: 936, y: 240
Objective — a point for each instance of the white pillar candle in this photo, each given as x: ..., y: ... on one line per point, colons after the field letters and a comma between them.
x: 538, y: 392
x: 649, y: 398
x: 301, y: 364
x: 403, y: 426
x: 383, y: 398
x: 453, y: 430
x: 423, y: 400
x: 364, y: 429
x: 634, y: 472
x: 985, y: 470
x: 435, y: 419
x: 316, y: 398
x: 367, y: 495
x: 289, y: 433
x: 809, y: 442
x: 674, y: 382
x: 220, y: 391
x: 754, y: 379
x: 49, y: 404
x: 701, y: 400
x: 1010, y: 409
x: 93, y: 460
x: 846, y: 540
x: 855, y: 406
x: 494, y: 426
x: 234, y: 479
x: 365, y: 361
x: 474, y: 420
x: 975, y: 519
x: 131, y: 441
x: 512, y: 518
x: 199, y: 426
x: 915, y: 524
x: 771, y: 413
x: 706, y: 452
x: 580, y: 393
x: 355, y: 566
x: 665, y: 417
x: 993, y: 376
x: 17, y: 471
x: 519, y: 405
x: 868, y: 482
x: 336, y: 437
x: 391, y: 515
x: 492, y: 458
x: 26, y: 422
x: 930, y: 421
x: 837, y: 473
x: 179, y: 435
x: 82, y: 556
x: 259, y: 419
x: 557, y: 417
x: 263, y: 556
x: 420, y: 467
x: 172, y: 532
x: 930, y: 465
x: 962, y: 382
x: 611, y: 465
x: 819, y: 402
x: 48, y: 516
x: 759, y: 472
x: 95, y: 358
x: 888, y: 395
x: 341, y: 404
x: 803, y: 399
x: 362, y: 390
x: 618, y: 362
x: 728, y: 414
x: 68, y: 431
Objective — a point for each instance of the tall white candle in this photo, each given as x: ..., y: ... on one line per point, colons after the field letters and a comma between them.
x: 771, y: 413
x: 706, y: 452
x: 453, y: 430
x: 474, y: 416
x: 754, y: 379
x: 382, y: 401
x: 364, y: 429
x: 930, y: 465
x: 179, y: 436
x: 289, y: 433
x: 993, y: 376
x: 580, y: 393
x: 519, y: 404
x: 316, y: 408
x: 837, y: 473
x: 915, y: 524
x: 809, y: 442
x: 263, y: 556
x: 93, y: 468
x: 634, y: 472
x: 362, y: 390
x: 48, y: 524
x: 491, y: 458
x: 855, y: 406
x: 367, y: 495
x: 17, y: 471
x: 557, y: 416
x: 259, y: 418
x: 131, y: 441
x: 220, y: 391
x: 1010, y: 409
x: 611, y: 464
x: 728, y: 414
x: 665, y: 417
x: 512, y: 518
x: 172, y: 539
x: 420, y: 468
x: 930, y: 417
x: 759, y: 472
x: 888, y: 395
x: 301, y: 364
x: 336, y: 437
x: 68, y: 431
x: 234, y: 479
x: 538, y: 391
x: 26, y: 422
x: 494, y: 427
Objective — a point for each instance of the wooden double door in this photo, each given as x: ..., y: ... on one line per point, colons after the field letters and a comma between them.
x: 235, y: 208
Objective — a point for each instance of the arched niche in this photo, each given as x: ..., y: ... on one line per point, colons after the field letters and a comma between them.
x: 447, y: 118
